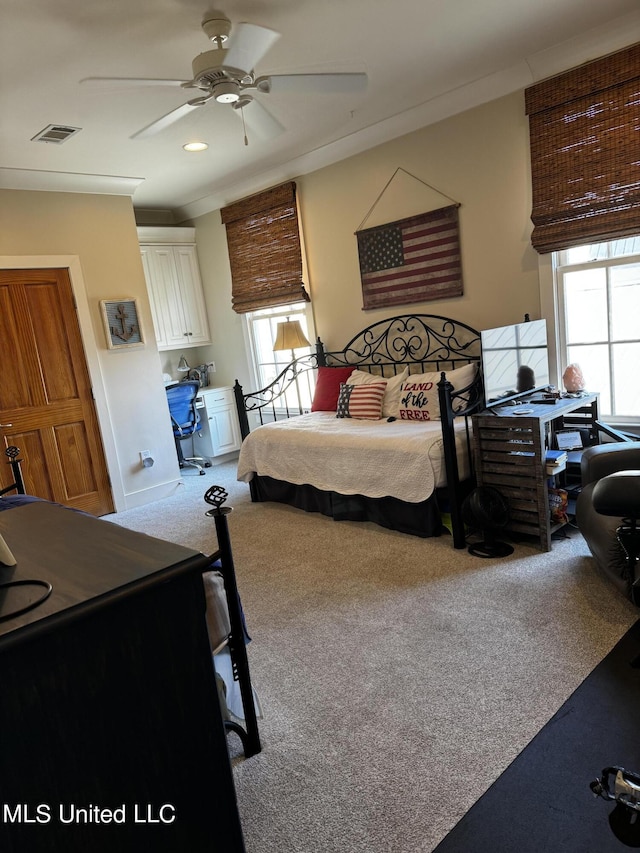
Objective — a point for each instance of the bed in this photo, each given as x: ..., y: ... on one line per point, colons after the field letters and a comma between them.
x: 397, y: 451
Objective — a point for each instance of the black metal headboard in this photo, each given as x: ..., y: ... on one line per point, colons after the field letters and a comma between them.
x: 421, y: 342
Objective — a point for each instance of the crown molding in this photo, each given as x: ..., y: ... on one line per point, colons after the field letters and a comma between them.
x: 67, y: 182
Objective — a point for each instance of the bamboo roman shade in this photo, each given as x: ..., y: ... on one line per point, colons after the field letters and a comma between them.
x: 264, y: 249
x: 585, y: 152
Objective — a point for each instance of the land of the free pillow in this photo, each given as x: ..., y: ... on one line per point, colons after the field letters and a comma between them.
x: 419, y: 393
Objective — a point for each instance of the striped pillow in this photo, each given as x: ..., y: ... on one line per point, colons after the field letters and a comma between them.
x: 361, y: 401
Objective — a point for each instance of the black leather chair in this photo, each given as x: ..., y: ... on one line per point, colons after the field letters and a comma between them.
x: 605, y: 506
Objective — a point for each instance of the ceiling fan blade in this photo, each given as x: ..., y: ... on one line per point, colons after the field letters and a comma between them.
x: 169, y: 119
x: 248, y: 43
x: 126, y: 82
x: 313, y: 83
x: 260, y: 121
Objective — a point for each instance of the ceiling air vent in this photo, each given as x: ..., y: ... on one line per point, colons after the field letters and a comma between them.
x: 57, y: 133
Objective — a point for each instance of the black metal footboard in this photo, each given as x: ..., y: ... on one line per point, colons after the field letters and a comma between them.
x: 455, y: 405
x: 12, y: 453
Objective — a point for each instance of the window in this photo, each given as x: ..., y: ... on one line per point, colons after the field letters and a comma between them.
x: 598, y: 299
x: 261, y: 330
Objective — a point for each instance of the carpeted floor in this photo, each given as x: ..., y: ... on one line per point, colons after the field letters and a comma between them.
x: 544, y: 800
x: 398, y: 677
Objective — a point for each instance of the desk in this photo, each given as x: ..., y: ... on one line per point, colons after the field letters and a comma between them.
x: 509, y: 454
x: 220, y: 431
x: 109, y: 704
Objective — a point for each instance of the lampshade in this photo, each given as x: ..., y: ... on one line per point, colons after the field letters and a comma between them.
x: 290, y: 336
x: 183, y: 365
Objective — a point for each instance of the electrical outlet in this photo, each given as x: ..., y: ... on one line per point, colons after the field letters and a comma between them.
x: 212, y: 366
x: 146, y: 459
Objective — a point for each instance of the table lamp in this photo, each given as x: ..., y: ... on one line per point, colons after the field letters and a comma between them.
x: 183, y: 367
x: 289, y: 335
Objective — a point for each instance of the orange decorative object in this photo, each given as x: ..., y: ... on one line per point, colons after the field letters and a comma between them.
x: 573, y: 379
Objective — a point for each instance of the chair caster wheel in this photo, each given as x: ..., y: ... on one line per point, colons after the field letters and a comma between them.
x: 207, y: 464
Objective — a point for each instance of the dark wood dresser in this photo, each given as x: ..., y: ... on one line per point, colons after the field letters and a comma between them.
x: 111, y: 734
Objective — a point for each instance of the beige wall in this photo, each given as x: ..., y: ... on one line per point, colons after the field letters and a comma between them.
x: 479, y: 159
x: 95, y: 237
x: 227, y: 348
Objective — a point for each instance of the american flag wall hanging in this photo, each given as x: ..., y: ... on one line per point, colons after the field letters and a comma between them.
x: 412, y: 260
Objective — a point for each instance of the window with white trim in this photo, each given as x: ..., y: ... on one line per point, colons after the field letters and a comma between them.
x: 598, y: 301
x: 262, y: 328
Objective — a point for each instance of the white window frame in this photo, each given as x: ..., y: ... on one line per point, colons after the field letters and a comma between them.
x: 280, y: 359
x: 552, y: 307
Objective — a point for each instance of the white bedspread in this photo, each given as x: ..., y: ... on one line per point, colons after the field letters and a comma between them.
x: 401, y: 459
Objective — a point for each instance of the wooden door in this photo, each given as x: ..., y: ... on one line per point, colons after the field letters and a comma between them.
x: 45, y: 392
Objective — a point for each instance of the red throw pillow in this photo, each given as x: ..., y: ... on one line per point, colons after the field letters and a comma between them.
x: 325, y: 397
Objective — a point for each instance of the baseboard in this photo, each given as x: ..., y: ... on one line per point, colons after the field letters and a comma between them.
x: 225, y: 457
x: 147, y: 496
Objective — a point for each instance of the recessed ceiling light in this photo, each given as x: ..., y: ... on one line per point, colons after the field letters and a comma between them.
x: 195, y: 146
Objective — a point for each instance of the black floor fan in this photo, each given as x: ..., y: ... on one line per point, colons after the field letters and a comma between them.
x: 485, y: 509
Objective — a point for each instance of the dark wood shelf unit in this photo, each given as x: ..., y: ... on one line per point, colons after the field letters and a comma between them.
x: 509, y: 454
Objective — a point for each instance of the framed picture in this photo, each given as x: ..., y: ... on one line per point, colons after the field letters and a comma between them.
x: 121, y: 325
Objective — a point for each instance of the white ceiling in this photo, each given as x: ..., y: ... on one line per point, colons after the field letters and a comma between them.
x: 425, y: 60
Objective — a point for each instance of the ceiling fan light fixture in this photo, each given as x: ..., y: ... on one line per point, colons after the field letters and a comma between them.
x: 226, y: 92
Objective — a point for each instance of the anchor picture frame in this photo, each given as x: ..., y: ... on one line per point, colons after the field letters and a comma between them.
x: 121, y: 323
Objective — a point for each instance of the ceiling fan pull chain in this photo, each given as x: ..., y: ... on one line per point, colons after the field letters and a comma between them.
x: 244, y: 127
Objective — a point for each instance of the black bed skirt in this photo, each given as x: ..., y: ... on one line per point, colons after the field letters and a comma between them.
x: 418, y: 519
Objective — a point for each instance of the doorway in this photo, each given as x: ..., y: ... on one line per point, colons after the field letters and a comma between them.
x: 46, y: 402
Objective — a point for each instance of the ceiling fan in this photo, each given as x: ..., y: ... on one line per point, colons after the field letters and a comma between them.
x: 226, y: 75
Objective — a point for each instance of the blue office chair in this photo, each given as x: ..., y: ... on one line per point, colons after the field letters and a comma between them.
x: 185, y: 420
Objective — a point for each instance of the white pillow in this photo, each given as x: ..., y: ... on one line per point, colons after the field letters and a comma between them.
x: 460, y: 378
x: 391, y: 401
x: 419, y: 393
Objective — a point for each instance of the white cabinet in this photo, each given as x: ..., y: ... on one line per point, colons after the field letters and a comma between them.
x: 175, y: 289
x: 220, y: 428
